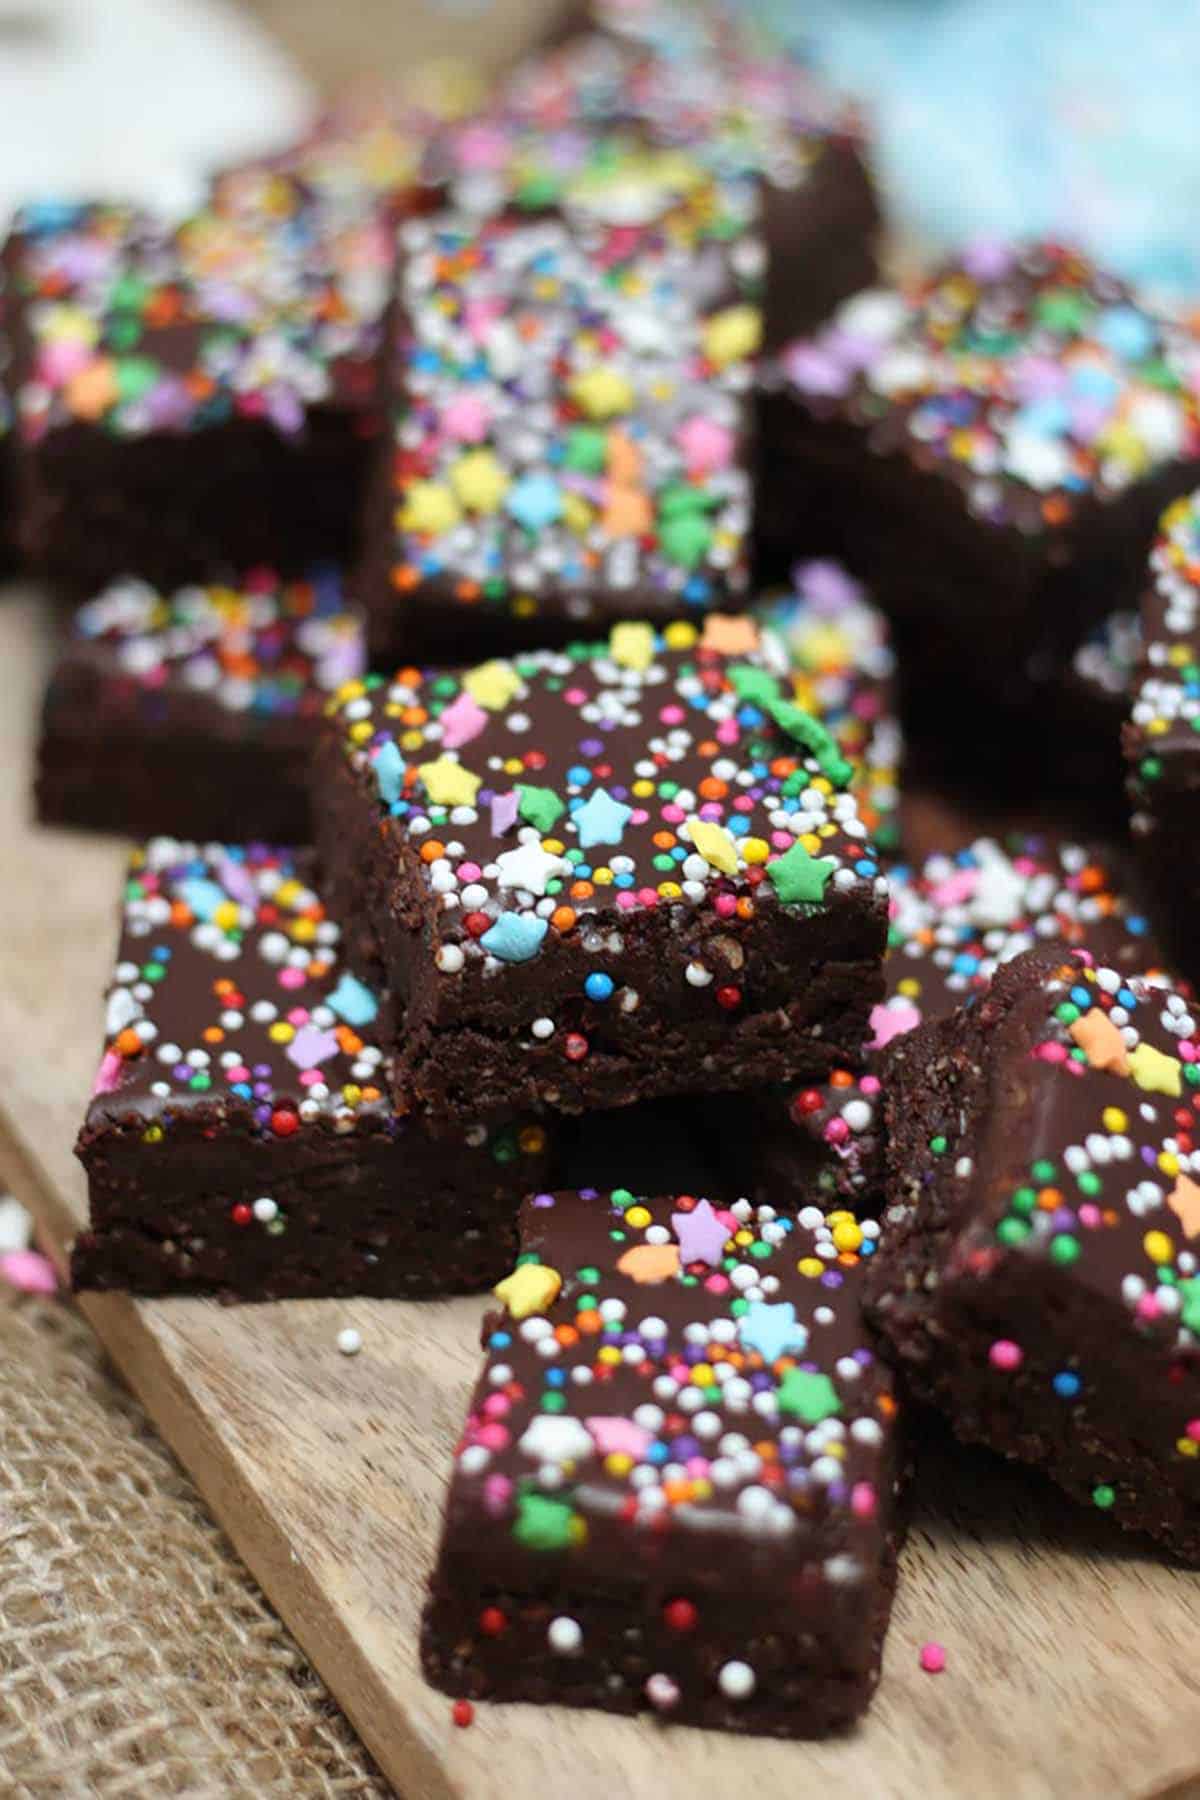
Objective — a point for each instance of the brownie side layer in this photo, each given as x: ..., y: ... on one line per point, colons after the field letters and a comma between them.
x: 174, y: 508
x: 1082, y: 1398
x: 399, y: 1217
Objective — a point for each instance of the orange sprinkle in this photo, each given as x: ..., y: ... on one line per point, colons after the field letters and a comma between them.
x: 212, y: 1034
x: 432, y: 849
x: 128, y: 1043
x: 405, y: 576
x: 712, y: 788
x: 589, y: 1321
x: 841, y: 1078
x: 563, y: 917
x: 1050, y: 1199
x: 565, y: 1335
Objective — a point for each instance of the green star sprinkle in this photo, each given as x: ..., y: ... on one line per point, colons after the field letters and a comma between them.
x: 539, y: 807
x: 809, y: 1397
x: 797, y: 876
x: 543, y: 1524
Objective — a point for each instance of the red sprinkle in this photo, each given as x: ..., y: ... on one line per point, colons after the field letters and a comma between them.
x: 729, y: 997
x: 241, y: 1213
x: 284, y: 1122
x: 492, y: 1621
x: 462, y: 1712
x: 680, y: 1615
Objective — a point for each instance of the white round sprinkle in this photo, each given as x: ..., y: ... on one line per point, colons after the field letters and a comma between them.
x: 565, y: 1637
x: 736, y: 1680
x: 349, y: 1341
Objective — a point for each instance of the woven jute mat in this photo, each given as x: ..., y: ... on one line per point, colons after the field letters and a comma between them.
x: 137, y: 1656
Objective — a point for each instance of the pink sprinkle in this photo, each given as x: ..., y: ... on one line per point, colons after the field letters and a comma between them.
x: 674, y: 815
x: 1147, y: 1307
x: 638, y: 816
x: 1187, y: 1050
x: 837, y: 1131
x: 716, y: 1284
x: 706, y: 444
x: 466, y: 418
x: 728, y: 732
x: 108, y: 1075
x: 870, y: 1084
x: 493, y: 1436
x: 310, y: 1077
x: 672, y: 715
x: 724, y: 905
x: 28, y: 1271
x: 959, y: 886
x: 297, y: 1015
x: 496, y: 1406
x: 782, y: 840
x: 1193, y: 1430
x: 1090, y: 1215
x: 933, y: 1658
x: 1006, y: 1355
x: 292, y: 978
x: 626, y: 900
x: 863, y: 1500
x: 574, y: 696
x: 1051, y: 1053
x: 469, y: 871
x: 647, y: 896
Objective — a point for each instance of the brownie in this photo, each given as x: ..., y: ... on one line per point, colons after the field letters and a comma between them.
x: 621, y: 871
x: 843, y: 666
x: 196, y: 710
x: 953, y: 922
x: 1037, y: 1276
x: 192, y: 401
x: 711, y: 1537
x: 241, y: 1139
x: 692, y: 80
x: 990, y: 446
x: 1161, y: 738
x: 571, y: 434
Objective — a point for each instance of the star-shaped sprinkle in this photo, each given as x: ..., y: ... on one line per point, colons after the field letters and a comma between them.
x: 1184, y: 1202
x: 531, y: 1288
x: 447, y: 783
x: 648, y: 1264
x: 772, y: 1330
x: 492, y: 685
x: 808, y: 1396
x: 311, y: 1047
x: 389, y: 773
x: 631, y: 645
x: 730, y: 335
x: 536, y: 501
x: 715, y: 845
x: 797, y: 876
x: 545, y: 1524
x: 701, y: 1235
x: 601, y: 819
x: 556, y: 1438
x: 619, y: 1437
x: 353, y: 1001
x: 505, y: 812
x: 602, y: 393
x: 1100, y: 1042
x: 528, y: 867
x: 730, y: 634
x: 429, y: 506
x: 891, y: 1021
x: 461, y: 721
x: 1155, y: 1072
x: 539, y: 806
x: 480, y: 481
x: 515, y: 937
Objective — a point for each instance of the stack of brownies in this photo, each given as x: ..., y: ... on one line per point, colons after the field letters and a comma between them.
x: 487, y: 504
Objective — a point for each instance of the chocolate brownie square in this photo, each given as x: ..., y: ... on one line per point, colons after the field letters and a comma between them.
x: 953, y: 922
x: 1161, y: 738
x: 620, y: 871
x: 1037, y: 1277
x: 571, y: 441
x: 195, y: 710
x: 694, y: 81
x: 192, y: 401
x: 241, y: 1138
x: 676, y: 1490
x: 990, y: 446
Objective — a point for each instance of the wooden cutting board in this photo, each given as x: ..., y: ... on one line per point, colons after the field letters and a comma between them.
x: 1072, y: 1651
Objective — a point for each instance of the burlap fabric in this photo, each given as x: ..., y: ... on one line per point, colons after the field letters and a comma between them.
x: 137, y: 1657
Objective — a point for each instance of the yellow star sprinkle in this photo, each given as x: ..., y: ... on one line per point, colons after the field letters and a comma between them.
x: 428, y: 506
x: 715, y: 845
x: 631, y: 645
x: 1154, y: 1072
x: 602, y: 393
x: 448, y: 784
x: 730, y: 335
x: 531, y: 1288
x: 492, y: 685
x: 479, y: 481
